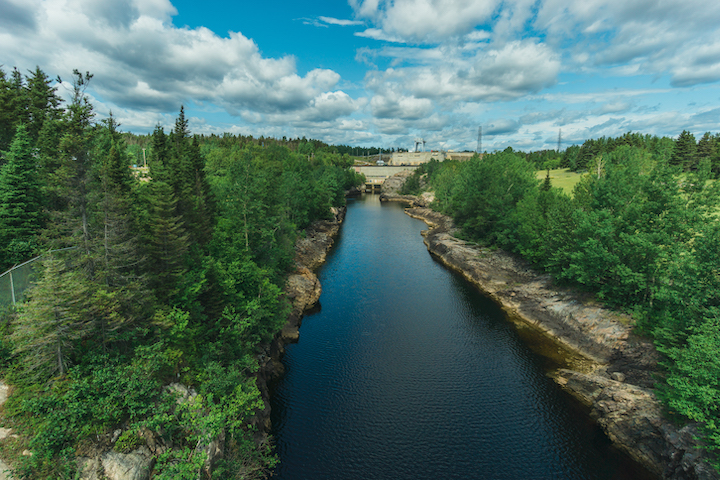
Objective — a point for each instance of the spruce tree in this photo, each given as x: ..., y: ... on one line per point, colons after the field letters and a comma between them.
x: 685, y: 152
x: 115, y: 245
x: 7, y: 115
x: 43, y: 102
x: 707, y: 148
x: 167, y: 242
x: 21, y: 209
x: 71, y: 225
x: 52, y: 322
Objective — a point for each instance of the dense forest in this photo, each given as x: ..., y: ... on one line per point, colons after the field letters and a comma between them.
x: 640, y: 231
x: 146, y: 278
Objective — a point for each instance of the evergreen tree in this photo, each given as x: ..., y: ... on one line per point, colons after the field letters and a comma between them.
x: 707, y: 148
x: 72, y: 180
x: 167, y: 243
x: 43, y: 103
x: 53, y: 321
x: 116, y: 249
x: 685, y: 151
x: 21, y: 112
x: 21, y: 215
x: 7, y: 115
x: 159, y: 155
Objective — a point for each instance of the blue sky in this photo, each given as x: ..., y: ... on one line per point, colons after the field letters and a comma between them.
x: 383, y: 72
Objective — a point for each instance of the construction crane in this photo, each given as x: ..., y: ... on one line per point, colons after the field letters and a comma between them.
x: 419, y: 141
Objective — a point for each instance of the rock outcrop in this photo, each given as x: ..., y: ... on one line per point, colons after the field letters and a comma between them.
x: 613, y: 370
x: 112, y: 465
x: 102, y: 461
x: 390, y: 191
x: 392, y: 185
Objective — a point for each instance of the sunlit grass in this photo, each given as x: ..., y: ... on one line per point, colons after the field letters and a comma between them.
x: 562, y: 178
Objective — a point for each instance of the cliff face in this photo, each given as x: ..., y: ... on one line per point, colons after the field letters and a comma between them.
x: 616, y: 379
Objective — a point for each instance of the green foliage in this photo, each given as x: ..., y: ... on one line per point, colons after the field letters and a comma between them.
x: 128, y: 441
x: 51, y: 324
x: 485, y: 193
x: 692, y: 388
x: 91, y: 399
x: 423, y: 175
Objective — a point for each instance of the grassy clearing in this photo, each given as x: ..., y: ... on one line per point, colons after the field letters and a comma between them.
x: 562, y: 178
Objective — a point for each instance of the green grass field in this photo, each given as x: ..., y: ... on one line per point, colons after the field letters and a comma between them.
x: 562, y: 178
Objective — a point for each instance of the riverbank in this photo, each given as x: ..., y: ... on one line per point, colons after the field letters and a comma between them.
x: 616, y: 377
x: 303, y: 290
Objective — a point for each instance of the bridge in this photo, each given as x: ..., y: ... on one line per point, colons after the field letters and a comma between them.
x: 375, y: 175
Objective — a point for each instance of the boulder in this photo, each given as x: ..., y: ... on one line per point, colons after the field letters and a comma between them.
x: 113, y: 465
x: 135, y: 465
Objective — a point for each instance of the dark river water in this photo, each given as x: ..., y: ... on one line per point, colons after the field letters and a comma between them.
x: 408, y: 372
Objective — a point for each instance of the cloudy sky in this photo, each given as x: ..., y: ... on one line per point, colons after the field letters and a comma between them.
x: 382, y: 72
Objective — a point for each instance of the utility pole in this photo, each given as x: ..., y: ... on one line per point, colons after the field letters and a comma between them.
x: 478, y: 150
x: 559, y: 139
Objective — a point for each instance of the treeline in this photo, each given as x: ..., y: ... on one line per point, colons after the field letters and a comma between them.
x: 137, y: 143
x: 173, y: 277
x: 684, y: 152
x: 304, y: 146
x: 641, y: 231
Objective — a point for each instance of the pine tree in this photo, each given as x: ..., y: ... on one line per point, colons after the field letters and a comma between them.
x: 115, y: 245
x: 20, y: 99
x: 183, y: 168
x: 71, y: 182
x: 56, y: 316
x: 685, y: 152
x: 21, y: 209
x: 167, y: 242
x: 159, y: 155
x: 707, y: 148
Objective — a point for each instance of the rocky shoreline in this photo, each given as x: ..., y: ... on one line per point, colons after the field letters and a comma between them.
x: 609, y: 368
x: 303, y: 290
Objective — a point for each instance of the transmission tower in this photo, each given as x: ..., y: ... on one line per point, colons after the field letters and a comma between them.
x: 478, y: 150
x: 559, y: 139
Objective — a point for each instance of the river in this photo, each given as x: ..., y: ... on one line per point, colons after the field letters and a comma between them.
x: 406, y: 371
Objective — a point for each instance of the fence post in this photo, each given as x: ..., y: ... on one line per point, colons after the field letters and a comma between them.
x: 12, y: 287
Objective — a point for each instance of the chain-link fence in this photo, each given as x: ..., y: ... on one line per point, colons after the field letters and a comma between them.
x: 15, y: 281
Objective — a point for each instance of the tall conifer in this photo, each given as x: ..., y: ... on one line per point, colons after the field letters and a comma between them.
x: 685, y: 151
x: 21, y: 210
x: 54, y: 319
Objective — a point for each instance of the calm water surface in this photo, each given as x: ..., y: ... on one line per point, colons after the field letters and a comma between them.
x: 407, y: 372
